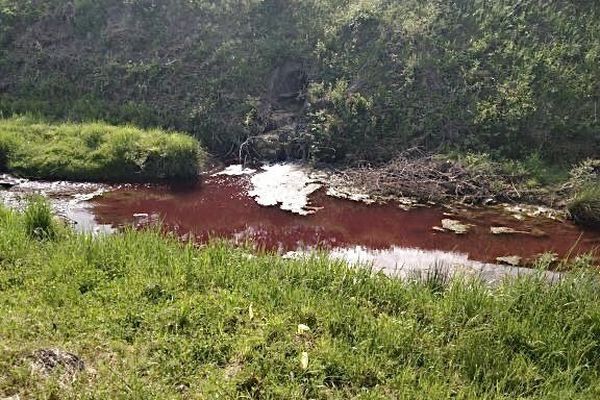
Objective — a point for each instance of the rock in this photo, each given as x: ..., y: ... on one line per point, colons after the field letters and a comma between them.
x: 455, y: 226
x: 8, y: 181
x: 267, y: 146
x: 529, y: 211
x: 6, y: 184
x: 438, y: 229
x: 514, y: 261
x: 504, y: 230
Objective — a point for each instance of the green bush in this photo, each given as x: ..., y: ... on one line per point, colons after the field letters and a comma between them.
x: 585, y: 207
x: 38, y: 219
x: 97, y: 151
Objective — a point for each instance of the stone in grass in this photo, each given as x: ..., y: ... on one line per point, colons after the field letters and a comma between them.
x: 455, y: 226
x: 514, y: 261
x: 303, y: 329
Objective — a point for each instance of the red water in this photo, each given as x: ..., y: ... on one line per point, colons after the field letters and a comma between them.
x: 220, y: 208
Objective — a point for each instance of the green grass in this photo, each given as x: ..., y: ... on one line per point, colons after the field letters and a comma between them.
x: 585, y: 206
x: 156, y: 318
x: 96, y: 151
x: 38, y: 219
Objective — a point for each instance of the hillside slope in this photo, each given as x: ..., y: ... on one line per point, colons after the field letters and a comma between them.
x: 326, y: 79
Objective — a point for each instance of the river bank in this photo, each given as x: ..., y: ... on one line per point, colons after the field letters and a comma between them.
x: 141, y: 314
x: 95, y: 151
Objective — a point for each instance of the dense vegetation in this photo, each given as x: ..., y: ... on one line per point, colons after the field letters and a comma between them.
x: 504, y: 77
x: 96, y: 151
x: 585, y: 206
x: 154, y: 318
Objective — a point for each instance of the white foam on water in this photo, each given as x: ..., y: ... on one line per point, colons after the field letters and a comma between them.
x: 286, y: 185
x: 235, y: 170
x: 69, y: 200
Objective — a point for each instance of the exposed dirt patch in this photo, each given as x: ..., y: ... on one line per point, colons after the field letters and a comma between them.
x: 47, y: 361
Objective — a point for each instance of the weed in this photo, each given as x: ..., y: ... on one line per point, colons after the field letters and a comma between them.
x: 38, y: 219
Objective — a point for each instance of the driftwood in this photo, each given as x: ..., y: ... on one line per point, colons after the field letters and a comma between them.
x: 425, y: 177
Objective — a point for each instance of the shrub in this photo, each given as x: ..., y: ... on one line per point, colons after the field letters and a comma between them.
x: 38, y: 219
x: 585, y: 207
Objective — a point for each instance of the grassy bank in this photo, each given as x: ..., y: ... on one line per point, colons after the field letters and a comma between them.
x: 95, y: 151
x: 154, y: 318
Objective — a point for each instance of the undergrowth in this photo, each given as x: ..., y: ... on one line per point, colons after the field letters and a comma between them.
x: 152, y: 317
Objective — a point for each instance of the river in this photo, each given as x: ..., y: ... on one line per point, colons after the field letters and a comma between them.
x: 227, y: 206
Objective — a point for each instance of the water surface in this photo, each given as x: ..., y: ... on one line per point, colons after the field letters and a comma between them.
x: 221, y: 207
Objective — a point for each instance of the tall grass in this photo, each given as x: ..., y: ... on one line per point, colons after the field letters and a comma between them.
x: 38, y: 219
x: 96, y: 151
x: 153, y: 318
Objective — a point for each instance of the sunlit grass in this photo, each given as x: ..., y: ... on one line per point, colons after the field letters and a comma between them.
x: 156, y: 318
x: 96, y: 151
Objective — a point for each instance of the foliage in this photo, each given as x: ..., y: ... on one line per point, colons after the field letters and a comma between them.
x: 507, y: 78
x: 97, y: 151
x: 154, y: 318
x: 585, y: 206
x: 585, y: 174
x: 342, y: 125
